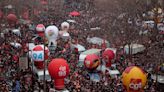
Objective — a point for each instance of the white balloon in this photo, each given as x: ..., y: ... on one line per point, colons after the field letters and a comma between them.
x: 65, y: 26
x: 52, y: 32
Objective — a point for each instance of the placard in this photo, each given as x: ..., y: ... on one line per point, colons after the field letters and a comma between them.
x: 38, y: 55
x: 23, y: 63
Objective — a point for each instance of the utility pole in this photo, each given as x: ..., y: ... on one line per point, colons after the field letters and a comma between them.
x: 44, y: 65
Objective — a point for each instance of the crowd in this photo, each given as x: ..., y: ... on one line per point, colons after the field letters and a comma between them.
x: 13, y: 79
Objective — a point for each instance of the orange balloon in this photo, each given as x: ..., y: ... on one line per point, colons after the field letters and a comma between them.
x: 134, y: 79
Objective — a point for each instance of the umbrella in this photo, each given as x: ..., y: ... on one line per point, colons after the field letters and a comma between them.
x: 9, y: 6
x: 160, y: 26
x: 17, y: 32
x: 74, y: 13
x: 79, y: 47
x: 136, y: 48
x: 66, y: 35
x: 97, y: 40
x: 71, y: 21
x: 16, y: 45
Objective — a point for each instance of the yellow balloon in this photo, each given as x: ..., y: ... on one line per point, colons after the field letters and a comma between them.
x: 134, y: 79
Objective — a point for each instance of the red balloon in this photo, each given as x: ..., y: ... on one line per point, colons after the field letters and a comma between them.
x: 92, y: 61
x: 11, y: 18
x: 109, y: 55
x: 40, y: 28
x: 58, y: 69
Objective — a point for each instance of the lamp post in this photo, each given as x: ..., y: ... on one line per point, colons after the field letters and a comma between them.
x: 157, y: 78
x: 44, y: 64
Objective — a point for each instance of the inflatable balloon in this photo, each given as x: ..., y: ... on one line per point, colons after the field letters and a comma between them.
x: 91, y: 61
x: 12, y: 18
x: 65, y: 26
x: 38, y: 55
x: 51, y: 33
x: 58, y: 70
x: 65, y: 36
x: 109, y: 55
x: 134, y: 79
x: 40, y: 28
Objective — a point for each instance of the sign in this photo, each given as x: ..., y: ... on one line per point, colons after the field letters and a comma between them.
x: 135, y: 85
x: 38, y: 55
x: 50, y: 33
x: 23, y: 63
x: 88, y: 63
x: 62, y: 71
